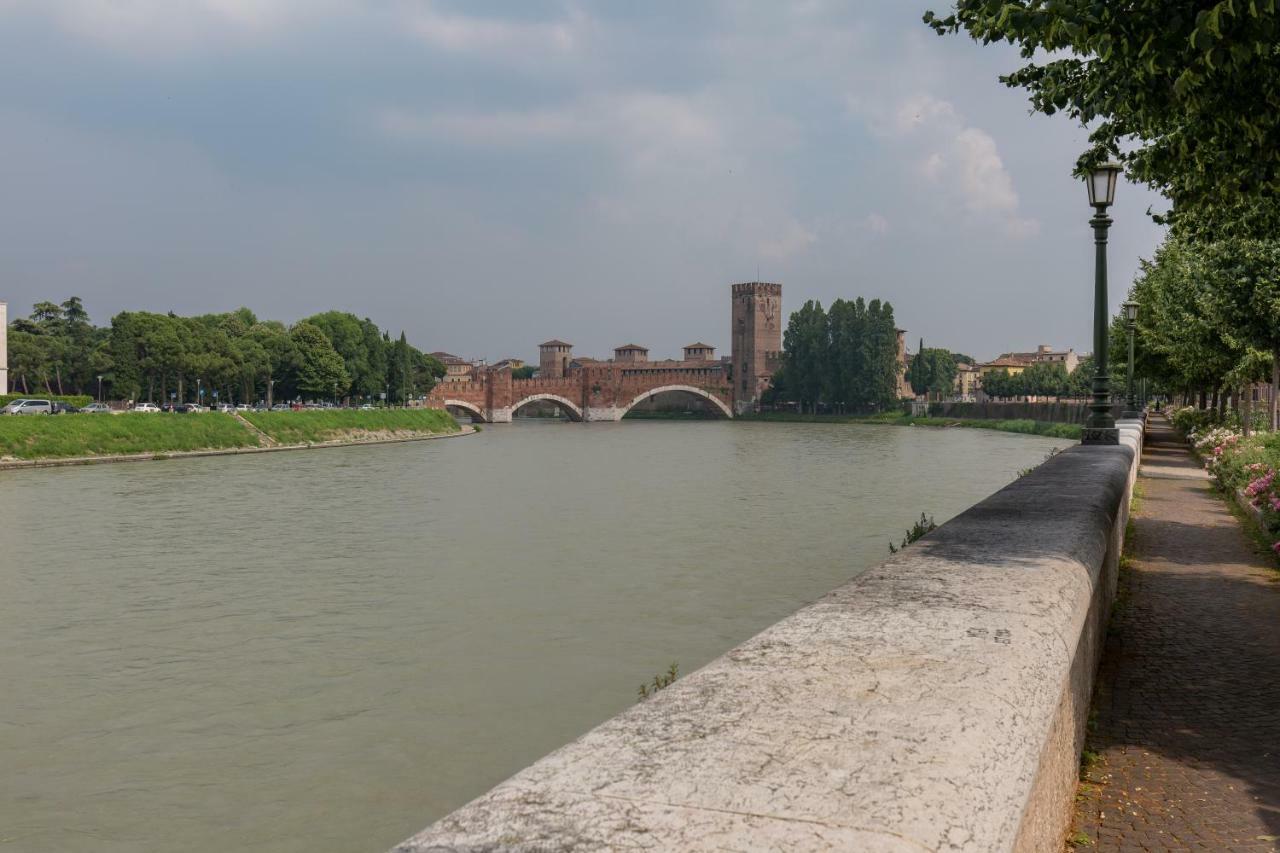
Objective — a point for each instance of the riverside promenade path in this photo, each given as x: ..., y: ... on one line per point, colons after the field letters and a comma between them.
x: 1187, y: 705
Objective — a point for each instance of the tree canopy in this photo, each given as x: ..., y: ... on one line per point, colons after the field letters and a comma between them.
x: 145, y: 355
x: 1186, y: 94
x: 846, y: 357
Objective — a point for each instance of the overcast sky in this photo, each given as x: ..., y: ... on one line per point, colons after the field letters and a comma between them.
x: 486, y: 176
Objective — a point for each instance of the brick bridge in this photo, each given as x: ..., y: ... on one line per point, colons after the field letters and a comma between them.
x: 592, y: 392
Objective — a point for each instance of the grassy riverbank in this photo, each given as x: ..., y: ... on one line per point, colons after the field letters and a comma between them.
x: 65, y: 436
x: 70, y: 436
x: 1027, y: 427
x: 311, y: 427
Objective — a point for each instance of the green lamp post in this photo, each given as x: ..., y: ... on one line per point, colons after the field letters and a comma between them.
x: 1131, y: 322
x: 1100, y: 428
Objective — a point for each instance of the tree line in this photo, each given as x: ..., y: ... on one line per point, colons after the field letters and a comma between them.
x: 1040, y: 379
x: 845, y: 357
x: 1184, y: 96
x: 143, y: 355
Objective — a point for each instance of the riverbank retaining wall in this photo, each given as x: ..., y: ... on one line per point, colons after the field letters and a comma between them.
x: 1060, y: 413
x: 936, y: 702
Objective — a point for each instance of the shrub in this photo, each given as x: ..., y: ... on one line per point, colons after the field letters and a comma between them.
x: 78, y: 400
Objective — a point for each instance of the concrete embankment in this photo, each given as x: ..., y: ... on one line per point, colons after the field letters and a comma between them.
x: 936, y: 702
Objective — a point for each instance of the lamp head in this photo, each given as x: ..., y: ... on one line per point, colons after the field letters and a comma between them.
x: 1131, y: 312
x: 1102, y: 185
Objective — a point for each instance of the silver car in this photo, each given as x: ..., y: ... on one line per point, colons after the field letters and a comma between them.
x: 29, y: 407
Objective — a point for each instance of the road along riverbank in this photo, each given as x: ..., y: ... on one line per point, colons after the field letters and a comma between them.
x: 40, y: 442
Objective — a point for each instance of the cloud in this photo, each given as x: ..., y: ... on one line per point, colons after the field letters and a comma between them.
x: 876, y: 224
x: 648, y: 130
x: 961, y: 160
x: 171, y: 27
x: 793, y: 239
x: 463, y: 33
x: 166, y: 27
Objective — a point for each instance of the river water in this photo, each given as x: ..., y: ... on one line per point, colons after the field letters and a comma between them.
x: 326, y: 650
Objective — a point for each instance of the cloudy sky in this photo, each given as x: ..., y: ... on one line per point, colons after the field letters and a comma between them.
x: 489, y: 175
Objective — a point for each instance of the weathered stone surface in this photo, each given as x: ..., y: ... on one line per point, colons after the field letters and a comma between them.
x: 936, y: 702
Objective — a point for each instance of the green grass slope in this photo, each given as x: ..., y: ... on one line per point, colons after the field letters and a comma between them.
x: 1027, y: 427
x: 316, y: 425
x: 62, y: 436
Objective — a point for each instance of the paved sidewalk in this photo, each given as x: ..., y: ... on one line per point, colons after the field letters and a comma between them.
x: 1188, y: 700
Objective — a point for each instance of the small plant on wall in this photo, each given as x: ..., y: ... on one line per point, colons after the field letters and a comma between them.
x: 920, y: 529
x: 661, y: 680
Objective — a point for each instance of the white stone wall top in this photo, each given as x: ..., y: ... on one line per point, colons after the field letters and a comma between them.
x: 914, y: 708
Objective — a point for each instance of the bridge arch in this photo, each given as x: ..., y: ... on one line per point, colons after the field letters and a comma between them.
x: 572, y: 409
x: 477, y: 413
x: 662, y: 389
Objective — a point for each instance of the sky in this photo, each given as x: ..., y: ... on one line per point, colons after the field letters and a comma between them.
x: 486, y: 176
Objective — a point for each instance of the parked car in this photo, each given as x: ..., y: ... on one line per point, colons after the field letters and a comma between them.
x: 96, y: 409
x: 367, y: 407
x: 12, y: 405
x: 281, y: 407
x: 242, y: 407
x: 146, y: 407
x: 225, y: 408
x: 61, y: 408
x: 30, y: 407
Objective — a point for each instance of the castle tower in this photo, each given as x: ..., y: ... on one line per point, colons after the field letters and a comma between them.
x: 553, y: 359
x: 4, y: 348
x: 757, y: 340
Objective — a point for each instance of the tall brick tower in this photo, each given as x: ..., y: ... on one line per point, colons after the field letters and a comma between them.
x: 757, y: 340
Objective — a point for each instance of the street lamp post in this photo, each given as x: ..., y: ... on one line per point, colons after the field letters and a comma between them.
x: 1131, y: 321
x: 99, y: 388
x: 1101, y: 426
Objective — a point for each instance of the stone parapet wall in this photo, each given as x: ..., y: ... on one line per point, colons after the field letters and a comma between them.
x: 935, y: 702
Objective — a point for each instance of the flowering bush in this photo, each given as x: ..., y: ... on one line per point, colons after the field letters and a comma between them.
x: 1249, y: 465
x: 1189, y: 419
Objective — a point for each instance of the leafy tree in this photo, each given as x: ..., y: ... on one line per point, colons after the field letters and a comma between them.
x: 806, y: 344
x: 525, y: 372
x: 1186, y: 94
x: 881, y: 355
x: 933, y: 371
x: 319, y: 370
x: 846, y: 362
x: 1242, y: 298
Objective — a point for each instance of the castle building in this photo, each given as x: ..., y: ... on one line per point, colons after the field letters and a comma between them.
x: 631, y: 354
x: 553, y: 359
x: 699, y: 352
x: 756, y: 328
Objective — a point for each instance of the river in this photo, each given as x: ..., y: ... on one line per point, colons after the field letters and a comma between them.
x: 326, y: 650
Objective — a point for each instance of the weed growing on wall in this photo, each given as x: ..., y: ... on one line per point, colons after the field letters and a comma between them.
x: 919, y: 530
x: 661, y: 680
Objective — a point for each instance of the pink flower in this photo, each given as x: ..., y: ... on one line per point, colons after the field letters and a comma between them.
x: 1276, y: 547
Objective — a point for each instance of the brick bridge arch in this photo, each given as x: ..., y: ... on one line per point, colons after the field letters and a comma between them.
x: 689, y: 389
x: 572, y: 409
x: 476, y: 411
x: 599, y: 391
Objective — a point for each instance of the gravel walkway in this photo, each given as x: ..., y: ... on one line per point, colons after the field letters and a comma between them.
x: 1187, y: 708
